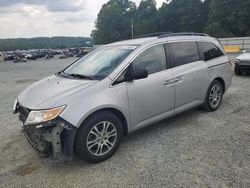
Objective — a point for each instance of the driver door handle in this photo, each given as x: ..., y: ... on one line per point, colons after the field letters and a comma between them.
x: 178, y: 79
x: 169, y: 82
x: 173, y: 81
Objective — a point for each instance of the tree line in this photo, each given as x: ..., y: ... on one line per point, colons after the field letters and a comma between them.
x: 44, y: 43
x: 219, y: 18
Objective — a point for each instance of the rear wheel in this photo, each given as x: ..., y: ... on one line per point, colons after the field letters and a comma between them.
x: 214, y: 96
x: 237, y: 70
x: 99, y: 138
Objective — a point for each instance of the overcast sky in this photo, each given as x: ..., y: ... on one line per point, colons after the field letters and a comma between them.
x: 34, y: 18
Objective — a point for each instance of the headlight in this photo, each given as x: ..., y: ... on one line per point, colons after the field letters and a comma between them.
x: 41, y: 116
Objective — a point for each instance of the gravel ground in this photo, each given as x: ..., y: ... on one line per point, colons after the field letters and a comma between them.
x: 194, y: 149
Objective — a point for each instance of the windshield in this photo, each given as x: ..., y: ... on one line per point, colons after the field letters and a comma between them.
x: 99, y: 63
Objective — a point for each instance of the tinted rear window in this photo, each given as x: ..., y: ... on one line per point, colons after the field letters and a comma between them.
x: 209, y: 51
x: 184, y: 52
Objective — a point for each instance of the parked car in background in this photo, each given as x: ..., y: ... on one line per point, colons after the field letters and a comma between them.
x: 9, y: 57
x: 242, y: 63
x: 70, y: 54
x: 80, y: 55
x: 30, y: 57
x: 63, y: 56
x: 34, y: 54
x: 1, y: 57
x: 49, y: 56
x: 20, y: 60
x: 119, y: 88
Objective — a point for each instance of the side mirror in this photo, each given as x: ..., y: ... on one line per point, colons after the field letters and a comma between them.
x: 137, y: 74
x: 244, y: 51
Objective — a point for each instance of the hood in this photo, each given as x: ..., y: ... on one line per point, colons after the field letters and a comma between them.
x: 46, y: 92
x: 244, y: 57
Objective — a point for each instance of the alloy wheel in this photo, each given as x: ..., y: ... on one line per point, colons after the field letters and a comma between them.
x: 101, y: 138
x: 215, y: 96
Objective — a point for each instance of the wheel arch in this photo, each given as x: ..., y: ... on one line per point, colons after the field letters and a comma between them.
x: 205, y: 105
x: 222, y: 83
x: 115, y: 111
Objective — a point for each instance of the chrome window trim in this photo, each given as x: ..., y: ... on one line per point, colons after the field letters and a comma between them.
x: 133, y: 58
x: 147, y: 47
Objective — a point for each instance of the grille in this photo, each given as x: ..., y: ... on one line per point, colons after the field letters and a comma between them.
x: 23, y: 113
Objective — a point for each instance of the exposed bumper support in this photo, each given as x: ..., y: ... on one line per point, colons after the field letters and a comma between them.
x: 53, y: 138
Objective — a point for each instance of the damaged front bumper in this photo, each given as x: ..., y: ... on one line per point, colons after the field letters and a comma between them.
x: 52, y: 138
x: 46, y: 140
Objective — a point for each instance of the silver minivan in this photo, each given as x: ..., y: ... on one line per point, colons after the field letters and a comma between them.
x: 118, y: 88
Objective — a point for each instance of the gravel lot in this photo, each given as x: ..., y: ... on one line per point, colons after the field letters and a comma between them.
x: 194, y: 149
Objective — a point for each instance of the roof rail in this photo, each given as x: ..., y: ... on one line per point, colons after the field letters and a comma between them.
x: 183, y: 34
x: 153, y: 34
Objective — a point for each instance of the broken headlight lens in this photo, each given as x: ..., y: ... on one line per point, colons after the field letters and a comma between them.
x: 41, y: 116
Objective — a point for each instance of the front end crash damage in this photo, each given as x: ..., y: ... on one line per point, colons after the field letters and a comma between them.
x: 46, y: 140
x: 54, y: 138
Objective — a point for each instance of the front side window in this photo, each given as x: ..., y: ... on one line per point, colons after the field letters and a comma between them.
x: 209, y: 51
x: 152, y: 59
x: 99, y: 63
x: 184, y: 52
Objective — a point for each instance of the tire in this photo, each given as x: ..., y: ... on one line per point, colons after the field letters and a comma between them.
x: 94, y: 146
x: 237, y: 71
x: 213, y: 100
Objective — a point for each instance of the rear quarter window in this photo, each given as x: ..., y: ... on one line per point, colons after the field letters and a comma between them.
x: 209, y: 51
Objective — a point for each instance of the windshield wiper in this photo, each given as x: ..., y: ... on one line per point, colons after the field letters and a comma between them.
x: 81, y: 76
x: 74, y: 75
x: 62, y: 73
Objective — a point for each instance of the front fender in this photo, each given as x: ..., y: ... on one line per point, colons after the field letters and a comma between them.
x: 80, y: 106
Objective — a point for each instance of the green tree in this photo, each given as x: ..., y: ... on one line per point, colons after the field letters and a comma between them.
x: 146, y: 18
x: 229, y: 18
x: 182, y: 15
x: 114, y: 21
x: 219, y: 18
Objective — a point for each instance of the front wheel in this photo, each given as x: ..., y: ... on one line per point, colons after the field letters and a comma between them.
x: 99, y: 137
x: 214, y: 96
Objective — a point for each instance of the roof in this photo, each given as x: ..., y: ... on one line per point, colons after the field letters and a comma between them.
x: 132, y: 42
x: 140, y: 41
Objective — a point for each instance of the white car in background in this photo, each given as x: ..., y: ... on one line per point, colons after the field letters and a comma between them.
x: 242, y: 63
